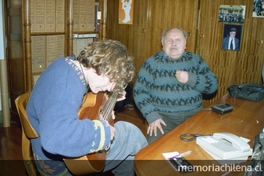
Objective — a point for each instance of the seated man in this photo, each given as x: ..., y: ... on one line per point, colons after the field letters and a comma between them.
x: 57, y: 97
x: 169, y: 86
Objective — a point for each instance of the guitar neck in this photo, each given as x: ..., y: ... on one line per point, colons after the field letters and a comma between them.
x: 106, y: 112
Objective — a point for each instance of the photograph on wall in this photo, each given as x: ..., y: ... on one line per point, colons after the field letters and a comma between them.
x: 232, y: 13
x: 231, y: 37
x: 258, y: 8
x: 126, y: 10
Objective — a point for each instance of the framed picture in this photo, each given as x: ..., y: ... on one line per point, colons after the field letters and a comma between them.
x: 126, y: 11
x: 258, y: 8
x: 231, y: 37
x: 232, y: 13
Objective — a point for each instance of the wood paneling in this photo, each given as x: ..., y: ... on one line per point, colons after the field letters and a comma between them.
x: 230, y: 67
x: 132, y: 36
x: 151, y: 17
x: 171, y: 13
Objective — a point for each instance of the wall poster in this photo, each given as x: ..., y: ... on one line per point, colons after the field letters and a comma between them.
x: 126, y: 11
x: 258, y: 8
x: 232, y: 13
x: 231, y: 37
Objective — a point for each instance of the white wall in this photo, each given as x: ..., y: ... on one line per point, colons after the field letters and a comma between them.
x: 2, y: 50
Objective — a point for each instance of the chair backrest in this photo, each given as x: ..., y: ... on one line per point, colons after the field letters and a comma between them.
x: 28, y: 132
x: 21, y: 104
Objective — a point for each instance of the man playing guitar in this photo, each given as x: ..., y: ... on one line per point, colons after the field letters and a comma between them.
x: 54, y: 112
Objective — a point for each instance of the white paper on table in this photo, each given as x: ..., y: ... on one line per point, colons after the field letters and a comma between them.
x: 170, y: 154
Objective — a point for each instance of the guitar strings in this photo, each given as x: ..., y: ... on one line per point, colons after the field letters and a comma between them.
x: 109, y: 106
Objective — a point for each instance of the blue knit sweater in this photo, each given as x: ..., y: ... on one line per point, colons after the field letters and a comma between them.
x: 52, y: 109
x: 158, y: 90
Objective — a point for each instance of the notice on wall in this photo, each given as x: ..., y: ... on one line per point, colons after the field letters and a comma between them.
x: 232, y: 13
x: 258, y: 8
x: 126, y: 10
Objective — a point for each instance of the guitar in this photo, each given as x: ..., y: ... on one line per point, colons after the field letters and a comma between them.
x: 95, y: 106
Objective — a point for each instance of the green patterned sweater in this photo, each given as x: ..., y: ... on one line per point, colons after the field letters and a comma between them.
x: 158, y: 90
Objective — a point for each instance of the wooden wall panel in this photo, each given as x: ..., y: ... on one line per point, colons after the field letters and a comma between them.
x: 231, y: 67
x: 171, y: 13
x: 151, y: 17
x: 132, y: 36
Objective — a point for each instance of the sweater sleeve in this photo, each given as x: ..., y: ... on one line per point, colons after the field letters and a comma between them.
x: 202, y: 79
x: 142, y: 98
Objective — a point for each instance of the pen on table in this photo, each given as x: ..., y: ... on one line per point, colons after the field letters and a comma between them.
x: 182, y: 154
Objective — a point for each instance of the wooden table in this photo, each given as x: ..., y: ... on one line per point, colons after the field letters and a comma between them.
x: 246, y: 120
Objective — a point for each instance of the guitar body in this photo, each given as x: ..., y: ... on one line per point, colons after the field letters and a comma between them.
x: 93, y: 162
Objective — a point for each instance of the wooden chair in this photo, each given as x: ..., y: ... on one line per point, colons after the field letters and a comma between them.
x: 28, y: 132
